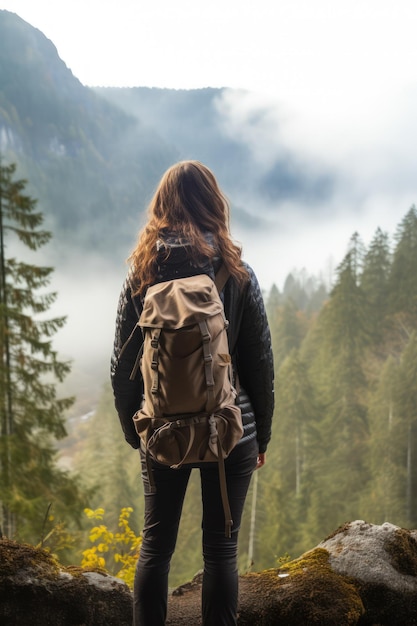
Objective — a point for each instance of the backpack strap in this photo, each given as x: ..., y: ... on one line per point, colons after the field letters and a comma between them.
x: 223, y: 491
x: 215, y: 445
x: 221, y: 278
x: 137, y: 363
x: 148, y: 462
x: 208, y: 365
x: 220, y: 281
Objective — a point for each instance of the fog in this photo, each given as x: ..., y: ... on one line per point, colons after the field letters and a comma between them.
x: 363, y: 148
x: 87, y: 294
x: 367, y: 161
x: 88, y: 288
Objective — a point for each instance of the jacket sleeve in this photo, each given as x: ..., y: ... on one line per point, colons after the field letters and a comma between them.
x: 127, y: 344
x: 254, y: 359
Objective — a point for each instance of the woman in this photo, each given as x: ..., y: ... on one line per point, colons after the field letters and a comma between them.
x: 187, y: 233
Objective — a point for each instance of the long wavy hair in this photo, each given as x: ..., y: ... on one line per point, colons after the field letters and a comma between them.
x: 188, y: 203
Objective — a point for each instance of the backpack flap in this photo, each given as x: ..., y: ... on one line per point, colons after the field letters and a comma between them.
x: 181, y: 302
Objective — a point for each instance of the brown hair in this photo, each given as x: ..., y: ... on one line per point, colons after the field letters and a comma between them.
x: 189, y: 203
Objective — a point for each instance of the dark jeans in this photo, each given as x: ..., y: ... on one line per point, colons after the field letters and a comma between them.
x: 162, y: 517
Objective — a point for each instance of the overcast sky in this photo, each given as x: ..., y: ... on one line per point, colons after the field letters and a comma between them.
x: 313, y: 49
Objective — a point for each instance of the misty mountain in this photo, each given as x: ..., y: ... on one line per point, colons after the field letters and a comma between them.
x: 190, y: 120
x: 87, y: 161
x: 93, y: 156
x: 196, y: 123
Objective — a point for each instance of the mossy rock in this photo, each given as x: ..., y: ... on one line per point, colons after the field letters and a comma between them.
x: 35, y: 589
x: 304, y: 591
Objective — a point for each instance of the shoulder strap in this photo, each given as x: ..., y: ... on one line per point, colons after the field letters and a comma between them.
x: 221, y: 277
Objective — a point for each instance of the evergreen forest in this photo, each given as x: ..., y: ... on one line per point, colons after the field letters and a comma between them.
x: 344, y: 443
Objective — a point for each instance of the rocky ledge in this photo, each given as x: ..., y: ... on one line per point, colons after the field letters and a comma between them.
x: 362, y: 574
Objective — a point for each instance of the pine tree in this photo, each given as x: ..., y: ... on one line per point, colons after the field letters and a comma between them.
x: 403, y: 276
x: 285, y: 488
x: 374, y: 283
x: 288, y: 331
x: 31, y: 413
x: 406, y: 395
x: 384, y: 498
x: 335, y: 351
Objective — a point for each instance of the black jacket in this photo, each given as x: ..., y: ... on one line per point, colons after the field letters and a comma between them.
x: 249, y: 342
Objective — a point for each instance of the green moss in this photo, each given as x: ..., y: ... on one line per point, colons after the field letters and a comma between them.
x: 308, y: 591
x: 402, y: 548
x: 317, y: 559
x: 21, y: 556
x: 15, y: 557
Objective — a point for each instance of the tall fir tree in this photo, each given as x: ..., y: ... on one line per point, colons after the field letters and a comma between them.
x: 406, y: 396
x: 289, y: 330
x: 403, y: 276
x: 374, y: 283
x: 273, y: 308
x: 335, y: 352
x: 383, y: 499
x: 32, y: 415
x: 286, y: 478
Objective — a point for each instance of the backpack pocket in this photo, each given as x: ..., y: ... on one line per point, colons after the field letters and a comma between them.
x: 192, y: 439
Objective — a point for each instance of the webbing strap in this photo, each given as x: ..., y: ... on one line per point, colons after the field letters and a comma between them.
x: 148, y: 462
x: 228, y: 522
x: 208, y: 365
x: 214, y: 435
x: 124, y: 346
x: 137, y: 364
x: 221, y: 277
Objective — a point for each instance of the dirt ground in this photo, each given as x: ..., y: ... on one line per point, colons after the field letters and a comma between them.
x: 184, y: 604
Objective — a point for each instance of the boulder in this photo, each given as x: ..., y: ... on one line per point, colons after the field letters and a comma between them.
x: 304, y: 592
x: 361, y: 574
x: 382, y: 562
x: 36, y: 590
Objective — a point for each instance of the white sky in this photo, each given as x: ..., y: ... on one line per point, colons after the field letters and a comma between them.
x: 309, y: 48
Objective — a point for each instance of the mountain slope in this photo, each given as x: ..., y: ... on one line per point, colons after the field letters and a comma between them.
x: 87, y: 162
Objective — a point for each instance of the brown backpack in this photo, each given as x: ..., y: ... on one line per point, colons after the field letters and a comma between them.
x: 189, y: 414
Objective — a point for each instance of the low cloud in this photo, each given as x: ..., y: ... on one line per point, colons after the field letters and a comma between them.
x: 353, y: 170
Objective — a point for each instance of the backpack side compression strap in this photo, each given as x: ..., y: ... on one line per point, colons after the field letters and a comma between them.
x: 208, y: 365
